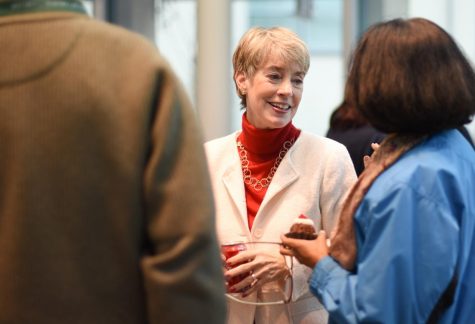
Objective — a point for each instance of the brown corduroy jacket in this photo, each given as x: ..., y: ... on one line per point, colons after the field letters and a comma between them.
x: 106, y: 212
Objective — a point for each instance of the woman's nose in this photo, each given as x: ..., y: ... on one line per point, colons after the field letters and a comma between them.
x: 285, y: 88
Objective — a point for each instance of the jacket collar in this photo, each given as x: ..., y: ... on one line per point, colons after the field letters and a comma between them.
x: 232, y: 178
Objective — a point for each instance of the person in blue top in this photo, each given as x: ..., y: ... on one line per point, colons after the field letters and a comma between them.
x: 404, y: 248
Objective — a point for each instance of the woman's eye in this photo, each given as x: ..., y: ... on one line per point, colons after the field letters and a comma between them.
x: 273, y: 76
x: 298, y: 82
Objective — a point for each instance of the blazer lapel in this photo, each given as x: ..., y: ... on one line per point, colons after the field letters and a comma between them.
x: 286, y: 174
x: 232, y: 179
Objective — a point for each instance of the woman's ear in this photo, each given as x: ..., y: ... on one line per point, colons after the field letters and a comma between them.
x: 241, y: 83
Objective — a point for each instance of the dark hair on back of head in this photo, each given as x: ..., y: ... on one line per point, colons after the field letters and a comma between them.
x: 346, y: 117
x: 409, y: 76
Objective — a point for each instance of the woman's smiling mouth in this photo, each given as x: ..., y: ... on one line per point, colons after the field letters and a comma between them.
x: 280, y: 106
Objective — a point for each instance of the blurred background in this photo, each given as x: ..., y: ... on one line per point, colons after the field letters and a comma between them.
x: 198, y: 38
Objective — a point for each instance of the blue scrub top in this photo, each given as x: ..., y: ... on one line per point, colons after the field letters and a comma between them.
x: 415, y: 230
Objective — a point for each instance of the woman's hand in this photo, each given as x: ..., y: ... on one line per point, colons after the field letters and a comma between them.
x: 307, y: 252
x: 258, y: 267
x: 367, y: 159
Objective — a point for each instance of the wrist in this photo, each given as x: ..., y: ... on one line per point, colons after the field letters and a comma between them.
x: 320, y: 257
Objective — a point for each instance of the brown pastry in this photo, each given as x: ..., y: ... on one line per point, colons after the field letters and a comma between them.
x: 302, y: 228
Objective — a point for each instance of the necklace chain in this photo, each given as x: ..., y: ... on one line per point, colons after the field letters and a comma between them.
x: 259, y: 184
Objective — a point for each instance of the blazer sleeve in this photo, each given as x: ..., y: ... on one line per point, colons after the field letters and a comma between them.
x: 339, y: 177
x: 182, y: 269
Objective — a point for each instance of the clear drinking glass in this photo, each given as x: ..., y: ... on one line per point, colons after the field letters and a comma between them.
x: 270, y: 293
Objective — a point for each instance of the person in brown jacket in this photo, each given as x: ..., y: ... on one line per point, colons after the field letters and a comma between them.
x: 106, y: 210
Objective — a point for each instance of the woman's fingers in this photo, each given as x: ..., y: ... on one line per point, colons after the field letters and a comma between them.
x: 241, y: 258
x: 257, y: 267
x: 288, y: 244
x: 375, y: 146
x: 286, y: 250
x: 307, y: 252
x: 246, y: 285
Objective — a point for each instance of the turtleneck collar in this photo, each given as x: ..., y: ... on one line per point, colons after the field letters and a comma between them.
x: 265, y: 143
x: 11, y: 7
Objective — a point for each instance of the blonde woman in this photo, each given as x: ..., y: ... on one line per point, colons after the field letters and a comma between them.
x: 269, y: 172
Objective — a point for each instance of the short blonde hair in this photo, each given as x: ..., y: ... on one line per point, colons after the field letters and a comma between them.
x: 256, y: 45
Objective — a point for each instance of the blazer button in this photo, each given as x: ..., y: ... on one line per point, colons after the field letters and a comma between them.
x: 258, y: 233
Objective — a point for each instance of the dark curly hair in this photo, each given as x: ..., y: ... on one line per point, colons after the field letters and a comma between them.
x: 409, y: 76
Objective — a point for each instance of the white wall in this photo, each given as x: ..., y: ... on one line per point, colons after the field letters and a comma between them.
x: 175, y: 31
x: 435, y: 10
x: 323, y: 92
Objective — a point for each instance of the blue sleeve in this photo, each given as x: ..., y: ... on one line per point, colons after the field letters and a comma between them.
x: 407, y: 252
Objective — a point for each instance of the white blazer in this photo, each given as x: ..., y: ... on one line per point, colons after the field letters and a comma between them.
x: 313, y: 179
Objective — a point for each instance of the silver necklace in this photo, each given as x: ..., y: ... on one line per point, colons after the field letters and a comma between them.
x: 259, y: 184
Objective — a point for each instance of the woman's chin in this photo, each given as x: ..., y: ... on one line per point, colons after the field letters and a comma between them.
x: 280, y: 122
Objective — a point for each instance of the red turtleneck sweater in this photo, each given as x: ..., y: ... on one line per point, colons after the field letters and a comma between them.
x: 262, y: 147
